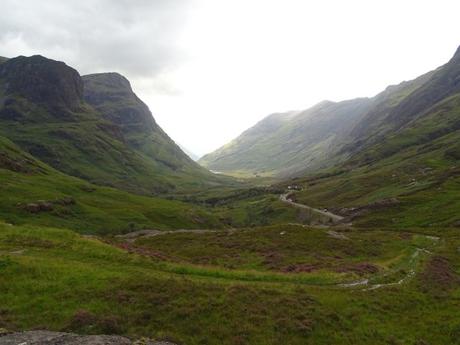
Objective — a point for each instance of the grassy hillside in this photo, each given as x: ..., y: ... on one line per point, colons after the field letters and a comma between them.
x: 111, y: 95
x: 328, y: 134
x: 417, y: 167
x: 43, y: 111
x: 287, y: 143
x: 34, y: 193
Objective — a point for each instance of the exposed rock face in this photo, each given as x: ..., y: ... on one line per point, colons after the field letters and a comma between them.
x: 43, y: 81
x: 111, y: 94
x: 41, y: 206
x: 111, y: 140
x: 58, y: 338
x: 353, y: 212
x: 46, y: 206
x: 23, y: 165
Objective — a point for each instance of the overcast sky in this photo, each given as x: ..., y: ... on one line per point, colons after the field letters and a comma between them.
x: 209, y: 69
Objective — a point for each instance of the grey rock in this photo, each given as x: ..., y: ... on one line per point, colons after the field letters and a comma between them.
x: 60, y: 338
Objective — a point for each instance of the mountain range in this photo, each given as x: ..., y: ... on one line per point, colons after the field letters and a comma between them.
x: 92, y: 127
x: 348, y: 234
x: 296, y: 143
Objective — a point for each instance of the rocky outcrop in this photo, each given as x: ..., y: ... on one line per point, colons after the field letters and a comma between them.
x: 23, y: 165
x: 111, y: 140
x: 59, y: 338
x: 42, y: 81
x: 46, y: 206
x: 111, y: 94
x: 351, y: 213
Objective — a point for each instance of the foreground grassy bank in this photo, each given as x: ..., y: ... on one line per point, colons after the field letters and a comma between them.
x: 57, y: 280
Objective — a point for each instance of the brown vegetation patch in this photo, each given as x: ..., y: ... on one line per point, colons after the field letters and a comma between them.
x: 46, y: 205
x: 439, y: 275
x: 405, y: 235
x: 352, y: 212
x: 22, y: 166
x: 36, y: 207
x: 141, y: 251
x: 29, y: 241
x: 301, y: 268
x: 272, y: 259
x: 85, y: 321
x: 6, y: 322
x: 360, y: 269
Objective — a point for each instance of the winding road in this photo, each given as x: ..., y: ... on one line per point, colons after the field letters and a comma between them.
x: 363, y: 284
x: 285, y: 198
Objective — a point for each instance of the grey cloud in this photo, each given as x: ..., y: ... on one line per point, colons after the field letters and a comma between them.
x: 137, y: 38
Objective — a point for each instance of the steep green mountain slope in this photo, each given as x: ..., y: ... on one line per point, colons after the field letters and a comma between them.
x: 286, y: 143
x: 111, y: 95
x: 299, y: 145
x: 409, y: 178
x: 34, y: 193
x: 42, y: 109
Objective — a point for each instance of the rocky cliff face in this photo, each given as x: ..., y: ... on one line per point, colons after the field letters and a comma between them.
x: 111, y: 94
x: 94, y: 128
x: 49, y: 83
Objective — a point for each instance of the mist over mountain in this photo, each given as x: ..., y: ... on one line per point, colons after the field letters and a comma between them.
x: 189, y: 153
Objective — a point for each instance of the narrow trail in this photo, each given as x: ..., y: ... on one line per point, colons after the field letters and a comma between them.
x: 133, y: 236
x: 367, y: 284
x: 334, y: 217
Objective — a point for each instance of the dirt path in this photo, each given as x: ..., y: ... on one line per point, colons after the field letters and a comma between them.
x: 285, y: 198
x: 363, y: 284
x: 367, y: 285
x: 132, y: 236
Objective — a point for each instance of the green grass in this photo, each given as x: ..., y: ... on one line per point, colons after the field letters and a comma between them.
x: 283, y: 144
x: 256, y: 211
x: 105, y: 210
x: 57, y: 280
x: 94, y: 209
x: 282, y: 248
x: 293, y: 143
x: 89, y: 144
x: 419, y: 167
x: 264, y: 277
